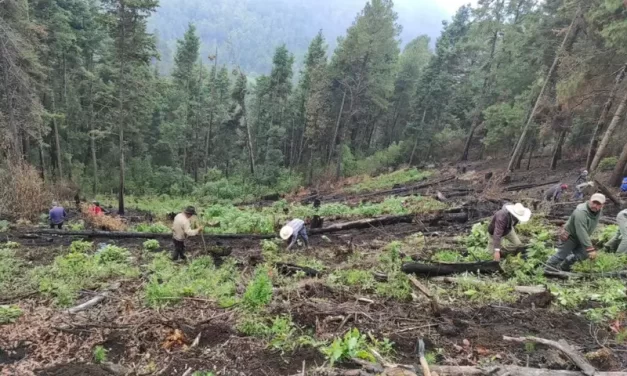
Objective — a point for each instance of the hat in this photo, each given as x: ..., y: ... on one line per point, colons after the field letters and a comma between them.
x: 598, y: 197
x: 584, y: 172
x: 190, y: 210
x: 519, y: 211
x: 286, y: 232
x: 54, y: 203
x: 564, y: 186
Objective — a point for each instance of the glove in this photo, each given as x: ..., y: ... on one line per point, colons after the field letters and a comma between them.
x: 497, y: 255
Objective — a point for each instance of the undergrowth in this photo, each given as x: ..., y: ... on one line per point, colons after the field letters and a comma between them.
x: 68, y: 274
x: 259, y: 291
x: 387, y: 181
x: 280, y: 332
x: 169, y: 283
x: 9, y: 314
x: 356, y: 345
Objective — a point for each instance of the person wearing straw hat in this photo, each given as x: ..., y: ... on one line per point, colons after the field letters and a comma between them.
x: 181, y: 229
x: 293, y: 230
x: 575, y: 236
x: 502, y: 226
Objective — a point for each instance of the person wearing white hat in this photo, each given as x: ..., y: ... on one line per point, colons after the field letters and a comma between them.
x: 502, y: 226
x: 575, y: 236
x: 293, y: 230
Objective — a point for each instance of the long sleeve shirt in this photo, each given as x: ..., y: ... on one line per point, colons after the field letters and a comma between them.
x: 298, y: 225
x: 182, y: 227
x: 582, y: 224
x: 57, y: 215
x: 554, y: 193
x: 502, y: 224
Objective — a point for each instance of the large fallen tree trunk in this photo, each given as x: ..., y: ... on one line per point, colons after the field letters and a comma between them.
x: 365, y: 223
x: 528, y: 186
x: 448, y: 269
x: 608, y: 193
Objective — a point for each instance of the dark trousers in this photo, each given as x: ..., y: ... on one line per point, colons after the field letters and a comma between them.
x: 179, y: 250
x: 58, y: 225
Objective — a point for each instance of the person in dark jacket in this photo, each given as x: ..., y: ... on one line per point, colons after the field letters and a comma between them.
x: 575, y: 237
x: 502, y: 226
x: 555, y: 192
x: 57, y: 215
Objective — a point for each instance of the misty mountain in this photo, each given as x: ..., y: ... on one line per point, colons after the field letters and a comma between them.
x: 246, y: 32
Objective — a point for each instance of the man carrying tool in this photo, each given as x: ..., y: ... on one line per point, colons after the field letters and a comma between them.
x: 502, y: 226
x: 57, y: 215
x: 575, y: 236
x: 293, y: 230
x: 619, y: 242
x: 181, y: 229
x: 555, y: 192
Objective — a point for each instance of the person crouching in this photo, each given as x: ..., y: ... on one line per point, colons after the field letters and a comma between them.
x: 294, y: 230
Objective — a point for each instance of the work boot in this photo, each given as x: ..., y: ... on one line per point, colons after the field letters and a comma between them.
x: 553, y: 265
x: 569, y: 262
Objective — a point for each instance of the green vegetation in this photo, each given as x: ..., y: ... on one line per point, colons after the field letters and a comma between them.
x: 9, y: 314
x: 76, y: 271
x: 355, y: 345
x: 80, y: 246
x: 169, y: 283
x: 4, y: 225
x: 11, y: 272
x: 609, y: 293
x: 156, y: 228
x: 100, y: 354
x: 604, y: 234
x: 279, y: 331
x: 259, y: 290
x: 151, y: 245
x: 387, y: 181
x: 605, y: 262
x: 203, y: 373
x: 608, y: 164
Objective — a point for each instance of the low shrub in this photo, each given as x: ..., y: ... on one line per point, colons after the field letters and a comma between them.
x: 9, y: 314
x: 151, y: 245
x: 608, y: 164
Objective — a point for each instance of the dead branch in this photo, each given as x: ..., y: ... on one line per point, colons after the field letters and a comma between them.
x: 435, y: 306
x: 88, y: 304
x: 510, y: 371
x: 561, y: 345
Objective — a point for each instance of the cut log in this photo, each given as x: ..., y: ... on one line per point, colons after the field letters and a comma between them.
x: 528, y: 186
x: 88, y: 304
x: 291, y: 269
x: 562, y: 346
x: 365, y: 223
x: 608, y: 193
x: 448, y: 269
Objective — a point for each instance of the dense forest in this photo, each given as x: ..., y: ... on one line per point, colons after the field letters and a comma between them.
x: 82, y: 96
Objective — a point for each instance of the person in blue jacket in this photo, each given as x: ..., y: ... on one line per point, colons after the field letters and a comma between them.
x: 623, y: 188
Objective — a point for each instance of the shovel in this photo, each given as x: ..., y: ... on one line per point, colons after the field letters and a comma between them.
x: 423, y: 361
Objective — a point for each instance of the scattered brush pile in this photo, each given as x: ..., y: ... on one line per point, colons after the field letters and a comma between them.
x: 23, y: 194
x: 102, y: 222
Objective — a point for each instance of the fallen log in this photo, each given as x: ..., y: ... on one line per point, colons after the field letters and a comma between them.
x: 291, y: 269
x: 528, y: 186
x: 608, y: 193
x: 88, y: 304
x: 438, y: 269
x: 521, y: 289
x: 571, y: 275
x: 365, y: 223
x: 135, y: 235
x: 562, y: 346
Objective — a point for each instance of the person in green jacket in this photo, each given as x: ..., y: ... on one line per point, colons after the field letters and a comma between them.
x: 576, y: 244
x: 618, y: 243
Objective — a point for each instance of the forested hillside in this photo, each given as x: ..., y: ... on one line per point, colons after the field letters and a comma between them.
x: 246, y: 32
x: 82, y: 97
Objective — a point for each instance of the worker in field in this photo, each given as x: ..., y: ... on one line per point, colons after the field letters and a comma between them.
x: 181, y: 229
x: 555, y: 192
x: 619, y: 242
x: 582, y: 178
x: 584, y: 189
x: 95, y: 208
x: 502, y: 226
x: 575, y: 236
x: 57, y: 215
x: 294, y: 230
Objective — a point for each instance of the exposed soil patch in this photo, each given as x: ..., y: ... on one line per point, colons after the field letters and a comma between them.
x: 214, y: 334
x: 12, y: 355
x: 115, y: 346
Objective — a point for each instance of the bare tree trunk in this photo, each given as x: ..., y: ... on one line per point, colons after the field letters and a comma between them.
x: 618, y: 174
x: 557, y: 152
x: 337, y: 127
x: 566, y: 44
x: 249, y: 141
x: 618, y: 115
x: 413, y: 150
x: 15, y: 146
x: 533, y: 146
x: 594, y: 141
x: 484, y: 90
x: 57, y: 142
x: 121, y: 107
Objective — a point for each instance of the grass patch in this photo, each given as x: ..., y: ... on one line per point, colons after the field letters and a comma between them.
x: 11, y: 273
x: 387, y: 181
x: 169, y: 283
x: 70, y: 273
x: 259, y: 291
x: 279, y: 331
x: 9, y: 314
x: 604, y: 263
x: 153, y: 228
